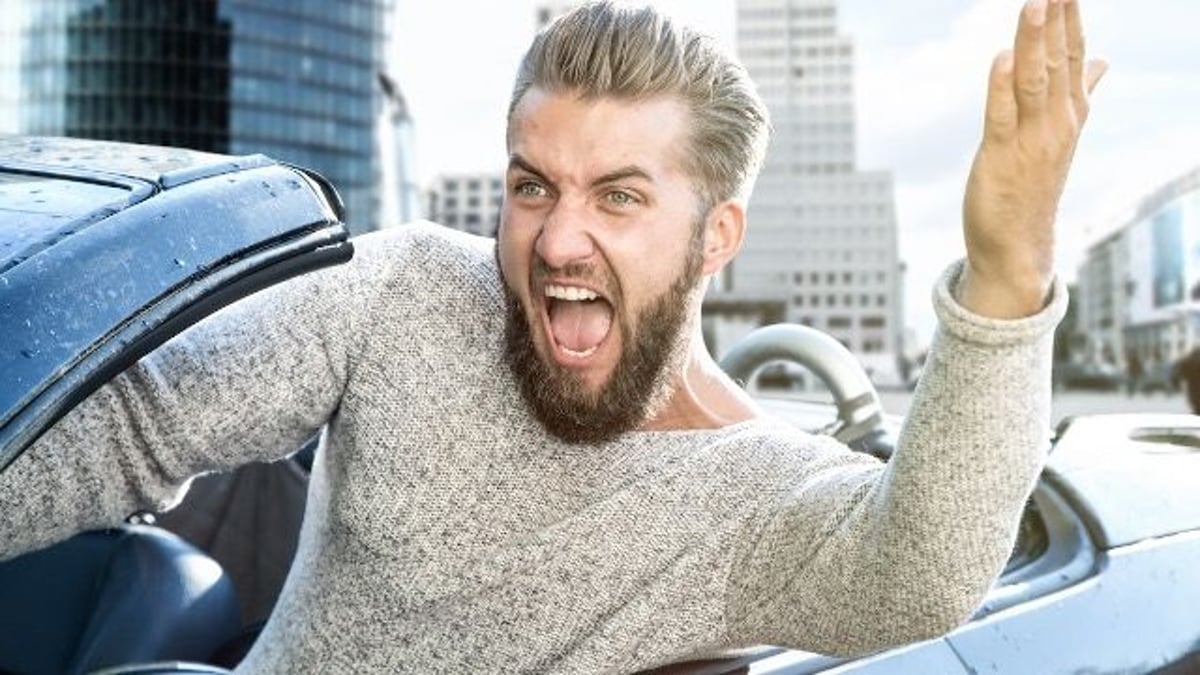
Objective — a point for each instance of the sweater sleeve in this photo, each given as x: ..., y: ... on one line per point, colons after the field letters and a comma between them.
x: 250, y: 382
x: 857, y: 555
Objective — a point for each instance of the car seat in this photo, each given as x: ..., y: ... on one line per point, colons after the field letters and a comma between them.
x: 134, y: 593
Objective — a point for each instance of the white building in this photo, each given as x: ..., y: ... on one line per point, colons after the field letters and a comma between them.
x: 1138, y: 289
x: 548, y: 11
x: 822, y: 234
x: 467, y: 202
x: 400, y: 197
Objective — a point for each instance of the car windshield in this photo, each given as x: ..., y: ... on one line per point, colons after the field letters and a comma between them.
x: 36, y: 208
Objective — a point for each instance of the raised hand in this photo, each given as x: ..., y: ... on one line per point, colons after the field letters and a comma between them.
x: 1037, y: 103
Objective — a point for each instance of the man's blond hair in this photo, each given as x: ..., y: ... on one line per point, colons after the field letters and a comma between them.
x: 603, y: 49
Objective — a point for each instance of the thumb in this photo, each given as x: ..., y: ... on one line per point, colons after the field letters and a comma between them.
x: 1096, y: 68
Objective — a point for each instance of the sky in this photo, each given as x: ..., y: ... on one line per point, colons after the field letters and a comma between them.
x: 921, y: 75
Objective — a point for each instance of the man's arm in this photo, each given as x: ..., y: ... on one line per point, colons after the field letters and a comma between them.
x: 249, y: 383
x: 861, y: 557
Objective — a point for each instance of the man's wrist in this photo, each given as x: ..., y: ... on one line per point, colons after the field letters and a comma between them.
x: 1013, y: 297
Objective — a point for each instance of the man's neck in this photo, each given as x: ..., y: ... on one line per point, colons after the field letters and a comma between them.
x: 704, y: 397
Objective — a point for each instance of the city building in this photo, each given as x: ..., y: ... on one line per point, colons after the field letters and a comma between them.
x: 468, y: 202
x: 1138, y: 289
x: 548, y: 11
x: 297, y: 81
x: 821, y: 238
x: 399, y: 193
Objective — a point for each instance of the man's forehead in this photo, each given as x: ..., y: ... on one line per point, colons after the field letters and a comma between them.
x: 605, y: 134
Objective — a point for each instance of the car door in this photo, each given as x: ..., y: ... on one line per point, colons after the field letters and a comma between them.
x: 110, y: 249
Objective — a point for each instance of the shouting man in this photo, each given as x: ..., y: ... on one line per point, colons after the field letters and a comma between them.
x: 531, y: 463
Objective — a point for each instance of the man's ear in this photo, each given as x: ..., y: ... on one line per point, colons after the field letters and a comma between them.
x: 724, y: 230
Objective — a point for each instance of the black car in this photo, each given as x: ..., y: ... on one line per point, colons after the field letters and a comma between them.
x: 107, y: 250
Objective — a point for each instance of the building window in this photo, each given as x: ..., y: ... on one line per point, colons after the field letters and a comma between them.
x: 872, y: 321
x: 839, y: 322
x: 473, y: 185
x: 881, y: 300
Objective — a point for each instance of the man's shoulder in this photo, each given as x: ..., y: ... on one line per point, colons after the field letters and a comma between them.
x: 428, y: 251
x: 423, y: 238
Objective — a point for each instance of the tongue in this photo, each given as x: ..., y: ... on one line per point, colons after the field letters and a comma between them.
x: 579, y: 326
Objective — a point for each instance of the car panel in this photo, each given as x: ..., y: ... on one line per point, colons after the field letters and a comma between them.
x: 933, y: 656
x: 36, y: 209
x: 1133, y: 477
x: 99, y: 158
x: 1137, y: 614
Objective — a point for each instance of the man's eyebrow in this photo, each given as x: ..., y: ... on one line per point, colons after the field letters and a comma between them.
x: 625, y: 172
x: 519, y: 162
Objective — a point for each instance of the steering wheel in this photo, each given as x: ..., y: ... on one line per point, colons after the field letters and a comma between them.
x: 859, y: 411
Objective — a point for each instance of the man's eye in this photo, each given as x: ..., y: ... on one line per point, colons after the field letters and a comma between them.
x: 529, y: 189
x: 621, y: 198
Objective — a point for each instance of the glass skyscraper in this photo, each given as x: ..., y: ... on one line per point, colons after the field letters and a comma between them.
x: 294, y: 79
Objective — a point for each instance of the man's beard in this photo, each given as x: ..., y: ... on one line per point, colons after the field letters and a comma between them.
x: 639, y: 385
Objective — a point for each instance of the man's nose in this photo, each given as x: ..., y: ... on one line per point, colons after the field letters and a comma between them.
x: 566, y: 235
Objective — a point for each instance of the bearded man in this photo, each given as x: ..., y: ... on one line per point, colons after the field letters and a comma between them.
x: 531, y: 463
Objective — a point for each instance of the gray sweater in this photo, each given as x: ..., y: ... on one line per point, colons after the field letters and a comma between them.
x: 446, y: 532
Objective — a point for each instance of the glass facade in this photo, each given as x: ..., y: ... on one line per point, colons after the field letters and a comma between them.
x: 294, y: 79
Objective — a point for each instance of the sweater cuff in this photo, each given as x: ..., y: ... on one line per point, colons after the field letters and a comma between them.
x: 971, y: 327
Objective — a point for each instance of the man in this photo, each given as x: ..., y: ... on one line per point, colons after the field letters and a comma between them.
x: 531, y: 462
x: 1188, y: 370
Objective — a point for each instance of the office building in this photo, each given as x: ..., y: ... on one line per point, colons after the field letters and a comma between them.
x: 297, y: 81
x: 399, y: 193
x: 822, y: 239
x: 467, y: 202
x: 548, y: 11
x: 1138, y: 289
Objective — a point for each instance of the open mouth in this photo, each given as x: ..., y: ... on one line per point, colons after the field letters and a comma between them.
x: 579, y: 320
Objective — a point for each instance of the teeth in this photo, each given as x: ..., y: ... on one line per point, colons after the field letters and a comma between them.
x: 572, y: 293
x: 587, y: 352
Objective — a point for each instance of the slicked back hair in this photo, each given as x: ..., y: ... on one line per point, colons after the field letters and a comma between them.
x: 606, y: 50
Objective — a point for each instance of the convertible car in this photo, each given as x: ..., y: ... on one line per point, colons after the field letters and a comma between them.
x: 107, y: 250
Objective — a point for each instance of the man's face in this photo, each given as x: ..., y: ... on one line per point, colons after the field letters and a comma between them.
x: 600, y: 249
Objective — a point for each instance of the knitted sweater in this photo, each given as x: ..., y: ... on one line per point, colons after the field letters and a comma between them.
x: 447, y: 532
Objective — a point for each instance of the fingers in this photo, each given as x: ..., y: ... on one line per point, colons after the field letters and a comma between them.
x: 1076, y: 51
x: 1029, y: 53
x: 1057, y: 68
x: 1001, y: 116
